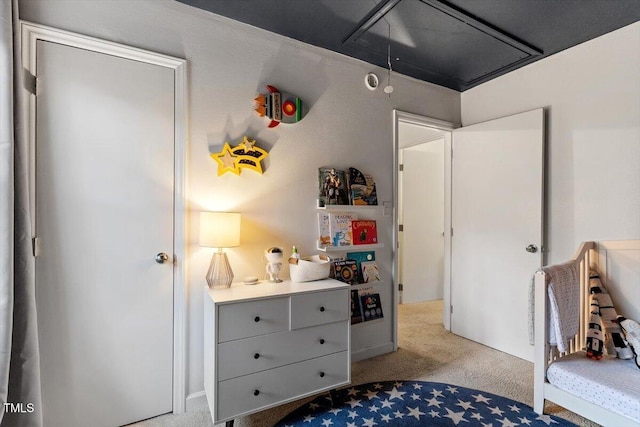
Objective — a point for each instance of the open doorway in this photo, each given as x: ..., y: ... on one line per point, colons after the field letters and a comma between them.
x: 423, y: 215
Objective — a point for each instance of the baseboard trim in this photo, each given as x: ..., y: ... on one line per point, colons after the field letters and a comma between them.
x: 196, y: 401
x: 371, y: 352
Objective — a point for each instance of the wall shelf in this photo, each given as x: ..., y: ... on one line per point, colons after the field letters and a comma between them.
x: 349, y: 247
x: 345, y: 207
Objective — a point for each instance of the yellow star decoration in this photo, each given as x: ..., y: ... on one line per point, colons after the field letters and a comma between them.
x: 248, y: 143
x: 244, y: 155
x: 227, y: 162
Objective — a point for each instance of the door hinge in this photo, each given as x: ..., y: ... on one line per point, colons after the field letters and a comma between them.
x: 30, y: 83
x: 400, y: 227
x: 35, y: 243
x: 451, y: 309
x: 399, y: 286
x: 451, y: 231
x: 400, y: 167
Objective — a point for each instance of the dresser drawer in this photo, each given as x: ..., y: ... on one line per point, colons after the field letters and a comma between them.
x: 253, y: 318
x: 319, y: 307
x: 264, y: 389
x: 250, y: 355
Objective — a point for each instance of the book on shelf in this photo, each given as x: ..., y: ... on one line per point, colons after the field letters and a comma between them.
x: 340, y: 228
x: 346, y: 271
x: 332, y: 187
x: 371, y: 307
x: 359, y: 258
x: 356, y: 307
x: 364, y: 232
x: 362, y: 188
x: 324, y: 232
x: 369, y: 272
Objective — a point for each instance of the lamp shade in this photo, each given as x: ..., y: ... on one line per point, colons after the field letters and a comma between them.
x: 219, y: 229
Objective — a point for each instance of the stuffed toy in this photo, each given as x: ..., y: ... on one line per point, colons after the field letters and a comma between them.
x: 631, y: 330
x: 603, y: 317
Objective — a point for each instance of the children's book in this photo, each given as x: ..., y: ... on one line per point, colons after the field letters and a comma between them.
x: 362, y: 188
x: 346, y: 271
x: 332, y: 187
x: 371, y: 307
x: 340, y: 228
x: 369, y: 272
x: 356, y: 308
x: 360, y: 257
x: 324, y: 233
x: 364, y: 232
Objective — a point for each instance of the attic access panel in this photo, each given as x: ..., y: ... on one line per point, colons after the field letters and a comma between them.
x: 437, y: 42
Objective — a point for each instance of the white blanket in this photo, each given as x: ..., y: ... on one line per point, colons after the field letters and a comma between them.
x: 563, y: 283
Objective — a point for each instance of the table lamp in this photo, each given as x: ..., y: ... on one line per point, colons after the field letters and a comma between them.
x: 219, y: 230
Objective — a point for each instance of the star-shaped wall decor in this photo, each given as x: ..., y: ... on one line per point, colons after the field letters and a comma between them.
x: 227, y: 162
x: 244, y: 155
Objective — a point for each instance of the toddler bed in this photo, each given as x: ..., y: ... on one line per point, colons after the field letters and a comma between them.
x: 606, y: 391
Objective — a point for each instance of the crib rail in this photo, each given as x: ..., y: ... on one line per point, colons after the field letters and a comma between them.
x: 583, y: 257
x: 545, y: 353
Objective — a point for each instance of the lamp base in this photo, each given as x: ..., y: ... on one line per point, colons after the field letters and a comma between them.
x: 220, y: 274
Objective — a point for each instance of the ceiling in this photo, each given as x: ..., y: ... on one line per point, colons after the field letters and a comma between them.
x: 456, y: 43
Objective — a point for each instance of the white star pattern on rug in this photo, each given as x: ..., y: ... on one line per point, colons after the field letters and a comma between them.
x: 426, y: 403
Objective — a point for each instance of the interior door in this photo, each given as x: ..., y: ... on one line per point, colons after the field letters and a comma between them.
x: 496, y: 214
x: 422, y: 260
x: 104, y: 209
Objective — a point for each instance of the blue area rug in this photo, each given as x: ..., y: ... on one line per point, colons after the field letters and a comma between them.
x: 415, y: 403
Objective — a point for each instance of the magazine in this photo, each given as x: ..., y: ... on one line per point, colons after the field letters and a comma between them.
x: 364, y: 232
x: 332, y: 187
x: 362, y: 188
x: 371, y: 307
x: 369, y: 272
x: 340, y: 228
x: 359, y: 258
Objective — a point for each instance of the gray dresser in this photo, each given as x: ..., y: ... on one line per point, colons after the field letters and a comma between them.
x: 272, y: 343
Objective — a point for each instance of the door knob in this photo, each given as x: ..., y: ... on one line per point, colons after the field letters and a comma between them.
x: 161, y: 258
x: 532, y: 249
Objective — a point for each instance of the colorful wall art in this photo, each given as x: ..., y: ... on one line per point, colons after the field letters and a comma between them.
x: 279, y: 107
x: 245, y: 155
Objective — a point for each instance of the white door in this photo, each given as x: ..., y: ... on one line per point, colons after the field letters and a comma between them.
x: 104, y: 209
x: 496, y: 213
x: 422, y: 200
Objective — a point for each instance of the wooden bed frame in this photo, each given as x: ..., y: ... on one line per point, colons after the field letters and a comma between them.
x: 589, y: 255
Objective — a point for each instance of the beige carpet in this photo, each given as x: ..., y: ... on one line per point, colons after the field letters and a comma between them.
x: 428, y: 353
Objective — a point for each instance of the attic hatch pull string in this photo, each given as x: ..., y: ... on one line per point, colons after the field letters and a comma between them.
x: 388, y: 89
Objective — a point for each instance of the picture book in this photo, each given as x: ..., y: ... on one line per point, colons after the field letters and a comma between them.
x: 324, y: 233
x: 332, y: 187
x: 360, y: 257
x: 362, y: 188
x: 364, y: 232
x: 369, y: 272
x: 356, y: 308
x: 340, y: 228
x: 371, y: 307
x: 346, y: 271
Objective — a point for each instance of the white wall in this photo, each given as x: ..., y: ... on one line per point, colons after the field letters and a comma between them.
x: 592, y: 98
x: 229, y: 63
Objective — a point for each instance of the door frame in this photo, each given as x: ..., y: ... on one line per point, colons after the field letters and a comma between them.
x: 418, y: 120
x: 30, y: 34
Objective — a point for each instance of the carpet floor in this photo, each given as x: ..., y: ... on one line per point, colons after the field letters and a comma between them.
x: 427, y: 352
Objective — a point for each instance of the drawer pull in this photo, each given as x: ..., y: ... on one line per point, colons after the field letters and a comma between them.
x: 321, y: 374
x: 321, y: 340
x: 256, y: 392
x: 256, y: 319
x: 322, y: 308
x: 256, y: 356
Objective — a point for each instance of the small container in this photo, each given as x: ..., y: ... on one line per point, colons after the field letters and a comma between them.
x: 308, y: 269
x: 294, y: 253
